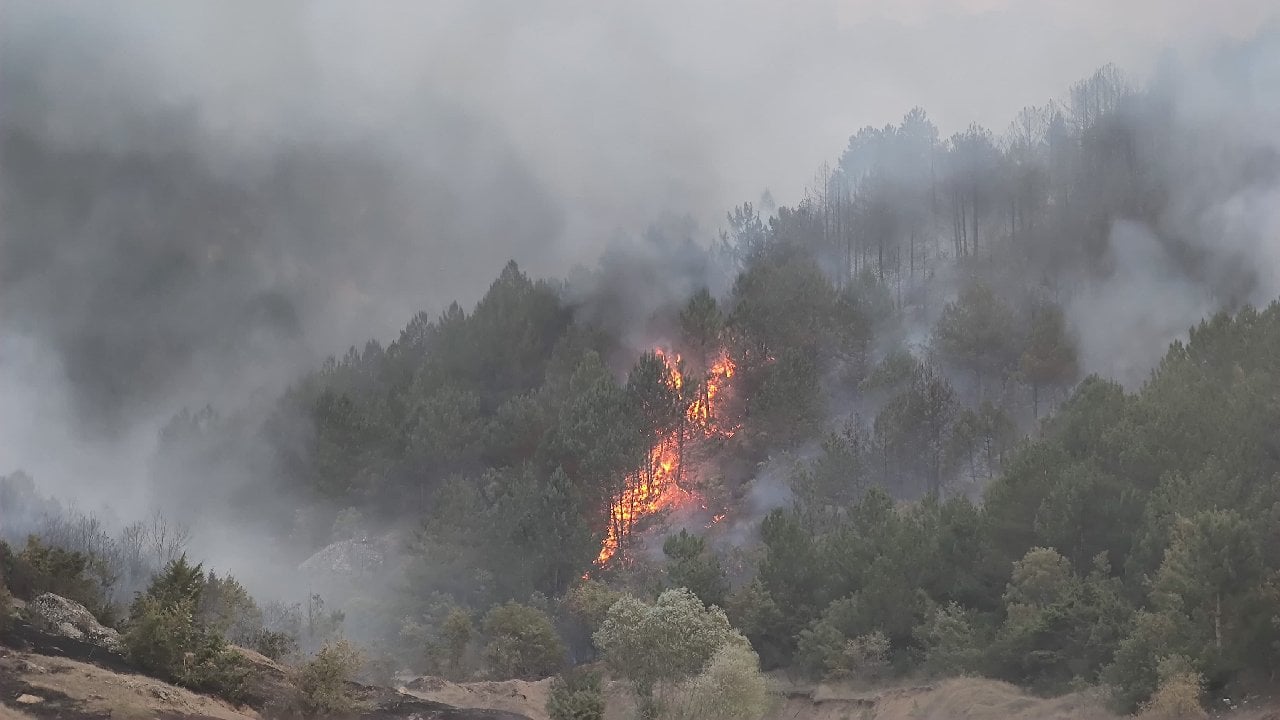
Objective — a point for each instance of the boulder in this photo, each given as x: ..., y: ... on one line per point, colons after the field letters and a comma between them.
x: 67, y: 618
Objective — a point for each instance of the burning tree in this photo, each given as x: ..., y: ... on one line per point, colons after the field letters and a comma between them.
x: 672, y: 409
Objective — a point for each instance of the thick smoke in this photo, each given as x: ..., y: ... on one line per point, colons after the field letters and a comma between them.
x: 1217, y: 244
x: 198, y: 201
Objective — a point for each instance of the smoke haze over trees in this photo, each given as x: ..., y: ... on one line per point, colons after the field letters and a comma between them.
x: 919, y: 396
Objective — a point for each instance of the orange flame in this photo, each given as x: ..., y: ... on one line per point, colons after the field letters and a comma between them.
x: 647, y: 493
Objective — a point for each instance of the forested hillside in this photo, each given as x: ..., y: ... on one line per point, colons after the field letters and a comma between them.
x: 860, y: 425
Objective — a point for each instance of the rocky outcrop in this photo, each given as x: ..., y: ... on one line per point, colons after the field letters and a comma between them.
x: 57, y: 615
x: 355, y: 558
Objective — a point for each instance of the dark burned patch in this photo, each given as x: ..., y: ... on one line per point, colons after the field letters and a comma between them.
x: 27, y: 638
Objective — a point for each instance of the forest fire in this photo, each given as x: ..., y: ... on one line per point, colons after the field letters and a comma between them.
x: 657, y: 487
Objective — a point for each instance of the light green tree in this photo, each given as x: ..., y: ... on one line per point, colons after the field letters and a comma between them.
x: 666, y: 642
x: 731, y: 687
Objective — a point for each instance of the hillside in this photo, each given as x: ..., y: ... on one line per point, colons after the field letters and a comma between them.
x: 53, y: 676
x: 996, y: 405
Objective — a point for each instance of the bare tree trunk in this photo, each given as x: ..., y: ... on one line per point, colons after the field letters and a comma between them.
x: 1217, y: 620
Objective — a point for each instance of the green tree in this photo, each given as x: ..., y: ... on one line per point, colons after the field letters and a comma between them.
x: 1049, y: 357
x: 576, y: 695
x: 455, y: 633
x: 913, y: 433
x: 1037, y: 644
x: 226, y: 607
x: 976, y: 333
x: 589, y: 600
x: 701, y: 323
x: 837, y: 477
x: 542, y: 531
x: 691, y: 565
x: 786, y: 405
x: 1178, y: 696
x: 6, y: 608
x: 752, y: 610
x: 1211, y: 579
x: 324, y: 684
x: 730, y: 687
x: 952, y: 641
x: 522, y: 642
x: 668, y: 641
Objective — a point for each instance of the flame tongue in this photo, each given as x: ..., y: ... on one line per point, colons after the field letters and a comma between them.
x: 647, y: 493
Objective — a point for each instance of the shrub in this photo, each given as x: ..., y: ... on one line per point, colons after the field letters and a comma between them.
x: 179, y: 583
x: 164, y: 640
x: 865, y: 657
x: 165, y: 637
x: 691, y: 565
x: 951, y: 640
x: 731, y: 687
x: 6, y: 608
x: 274, y: 644
x: 227, y: 607
x: 828, y: 654
x: 589, y: 601
x: 1178, y: 696
x: 670, y: 640
x: 1134, y: 674
x: 576, y: 696
x: 323, y: 684
x: 522, y: 642
x: 40, y: 568
x: 455, y: 635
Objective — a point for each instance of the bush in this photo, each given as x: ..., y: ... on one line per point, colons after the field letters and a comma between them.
x: 455, y: 635
x: 1178, y: 696
x: 1134, y: 674
x: 6, y: 608
x: 576, y: 696
x: 951, y: 640
x: 323, y: 685
x: 274, y: 645
x: 865, y: 657
x: 731, y: 687
x: 165, y: 637
x: 691, y: 565
x: 589, y: 601
x: 227, y: 607
x: 522, y: 642
x: 40, y: 568
x: 668, y: 641
x: 164, y: 640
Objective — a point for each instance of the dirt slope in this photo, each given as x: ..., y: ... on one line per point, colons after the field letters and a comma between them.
x: 63, y: 688
x: 523, y: 697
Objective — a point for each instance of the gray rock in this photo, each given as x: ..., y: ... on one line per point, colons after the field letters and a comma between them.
x: 67, y: 618
x: 351, y: 559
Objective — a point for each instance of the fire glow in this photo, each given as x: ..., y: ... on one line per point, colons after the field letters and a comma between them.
x: 651, y: 492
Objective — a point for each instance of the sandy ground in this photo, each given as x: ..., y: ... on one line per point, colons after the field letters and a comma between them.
x: 517, y: 696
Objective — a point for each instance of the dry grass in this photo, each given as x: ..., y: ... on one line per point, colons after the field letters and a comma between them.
x: 955, y: 699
